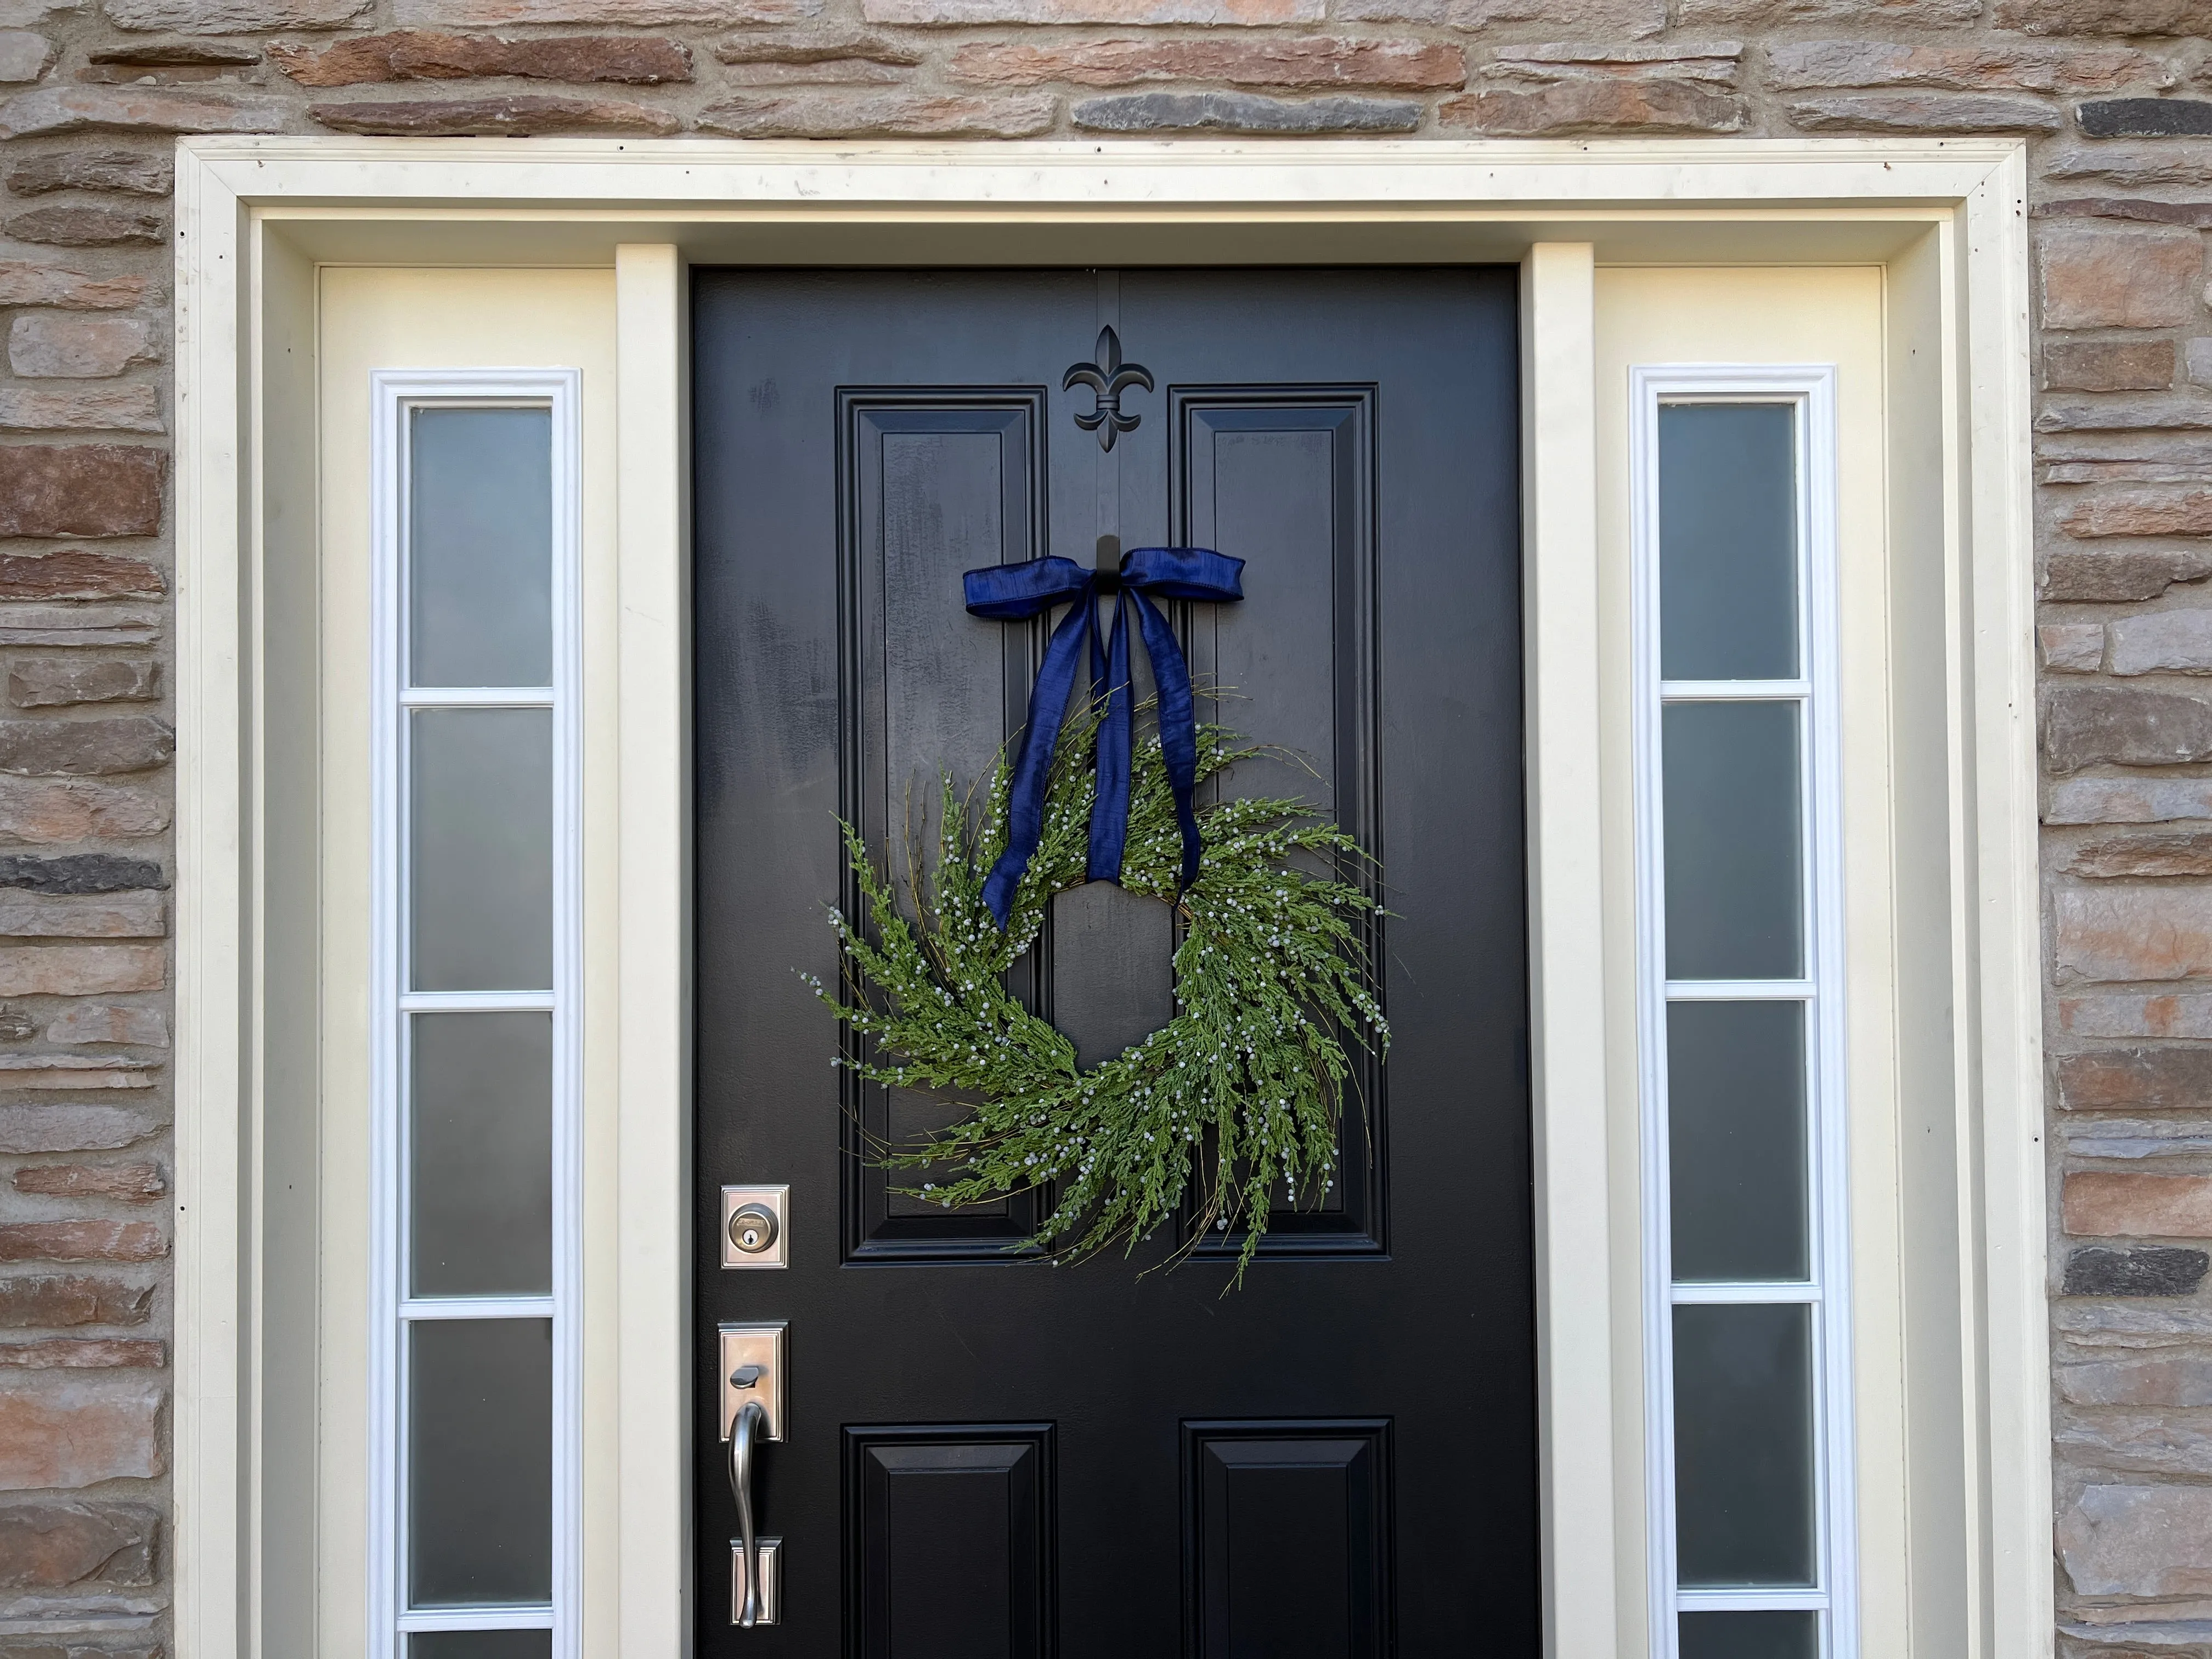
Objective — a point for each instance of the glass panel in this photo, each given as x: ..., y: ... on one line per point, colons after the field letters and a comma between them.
x: 480, y: 1455
x: 1763, y: 1634
x: 1735, y: 1113
x: 1728, y: 541
x: 480, y: 547
x: 483, y: 873
x: 481, y: 1645
x: 482, y: 1154
x: 1743, y: 1445
x: 1734, y: 892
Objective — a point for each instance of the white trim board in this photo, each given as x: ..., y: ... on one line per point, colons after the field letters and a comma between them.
x: 1946, y: 217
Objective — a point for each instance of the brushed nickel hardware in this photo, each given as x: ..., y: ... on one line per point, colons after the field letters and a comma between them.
x: 754, y: 1226
x: 749, y: 1566
x: 770, y: 1557
x: 756, y: 1353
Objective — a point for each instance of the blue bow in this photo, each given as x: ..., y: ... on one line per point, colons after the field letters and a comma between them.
x: 1015, y: 593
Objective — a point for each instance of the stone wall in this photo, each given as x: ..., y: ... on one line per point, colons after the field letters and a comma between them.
x: 2114, y: 94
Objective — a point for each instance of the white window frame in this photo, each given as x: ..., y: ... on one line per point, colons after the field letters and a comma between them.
x: 396, y: 394
x: 1809, y: 391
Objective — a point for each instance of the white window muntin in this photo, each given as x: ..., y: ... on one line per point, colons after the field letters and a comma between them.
x: 1810, y: 393
x: 396, y: 396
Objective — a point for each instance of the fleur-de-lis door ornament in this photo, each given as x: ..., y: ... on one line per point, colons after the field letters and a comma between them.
x: 1109, y: 377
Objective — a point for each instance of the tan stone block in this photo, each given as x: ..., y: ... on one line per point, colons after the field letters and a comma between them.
x: 2128, y: 933
x: 79, y: 1353
x: 62, y: 681
x: 54, y: 1546
x: 2169, y: 1380
x: 2108, y: 1204
x: 80, y: 490
x: 86, y: 225
x: 77, y: 626
x: 2163, y: 642
x: 1297, y: 61
x: 612, y: 14
x: 78, y: 574
x: 23, y: 55
x: 31, y: 282
x: 816, y: 47
x: 2072, y: 648
x: 2125, y: 1014
x: 73, y: 345
x: 73, y: 1126
x: 2099, y: 278
x: 59, y: 1301
x: 2108, y: 365
x: 815, y: 72
x: 42, y: 811
x: 76, y: 971
x: 85, y: 748
x: 427, y: 54
x: 1215, y: 13
x: 2129, y: 800
x: 2151, y: 414
x: 1923, y: 112
x: 1876, y: 14
x: 82, y: 915
x: 506, y: 115
x: 2173, y: 853
x: 149, y: 109
x: 2085, y: 725
x: 906, y: 114
x: 133, y: 171
x: 233, y: 16
x: 2108, y: 574
x: 64, y: 1430
x: 2134, y: 1079
x: 2177, y: 18
x: 1595, y: 106
x: 1717, y: 62
x: 1795, y: 66
x: 2142, y: 513
x: 81, y: 409
x: 82, y: 1239
x: 2136, y: 1541
x: 1627, y: 20
x: 133, y: 1183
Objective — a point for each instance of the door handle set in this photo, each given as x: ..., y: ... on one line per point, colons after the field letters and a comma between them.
x: 755, y: 1375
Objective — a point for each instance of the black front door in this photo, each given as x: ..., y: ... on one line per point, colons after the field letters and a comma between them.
x: 991, y: 1458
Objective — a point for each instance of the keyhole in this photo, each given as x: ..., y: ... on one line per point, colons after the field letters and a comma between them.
x: 752, y: 1228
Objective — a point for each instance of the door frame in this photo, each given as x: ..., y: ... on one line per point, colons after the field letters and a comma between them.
x: 1947, y: 219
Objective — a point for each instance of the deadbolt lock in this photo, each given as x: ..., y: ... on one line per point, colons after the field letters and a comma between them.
x: 752, y: 1228
x: 754, y: 1221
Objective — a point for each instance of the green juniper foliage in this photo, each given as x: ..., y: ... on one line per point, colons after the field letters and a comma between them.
x: 1240, y: 1093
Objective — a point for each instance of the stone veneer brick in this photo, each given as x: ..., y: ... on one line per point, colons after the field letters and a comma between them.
x: 2111, y: 94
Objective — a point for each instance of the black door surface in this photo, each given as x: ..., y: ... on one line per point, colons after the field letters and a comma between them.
x: 991, y: 1458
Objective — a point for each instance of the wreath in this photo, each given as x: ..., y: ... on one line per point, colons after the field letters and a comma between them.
x: 1238, y: 1096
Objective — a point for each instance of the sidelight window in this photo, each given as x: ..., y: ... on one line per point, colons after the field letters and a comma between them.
x: 474, y: 1338
x: 1747, y: 1331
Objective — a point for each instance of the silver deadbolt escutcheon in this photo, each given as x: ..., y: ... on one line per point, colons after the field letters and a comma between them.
x: 754, y: 1226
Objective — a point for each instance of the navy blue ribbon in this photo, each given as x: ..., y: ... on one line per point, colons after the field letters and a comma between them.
x: 1015, y: 593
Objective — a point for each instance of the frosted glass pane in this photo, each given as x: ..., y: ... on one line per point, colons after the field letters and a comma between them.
x: 1735, y: 1118
x: 1733, y: 893
x: 1728, y: 541
x: 1762, y: 1634
x: 1743, y: 1445
x: 481, y: 1645
x: 482, y: 1193
x: 480, y: 1462
x: 483, y: 872
x: 480, y: 547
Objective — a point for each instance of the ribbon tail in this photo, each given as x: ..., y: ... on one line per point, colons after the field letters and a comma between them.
x: 1033, y: 770
x: 1109, y: 803
x: 1178, y: 723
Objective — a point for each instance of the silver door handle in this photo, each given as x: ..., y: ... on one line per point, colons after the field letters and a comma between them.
x: 743, y: 1435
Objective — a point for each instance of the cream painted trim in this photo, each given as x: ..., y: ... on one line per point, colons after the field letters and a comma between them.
x: 254, y: 215
x: 653, y: 556
x: 1577, y: 1381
